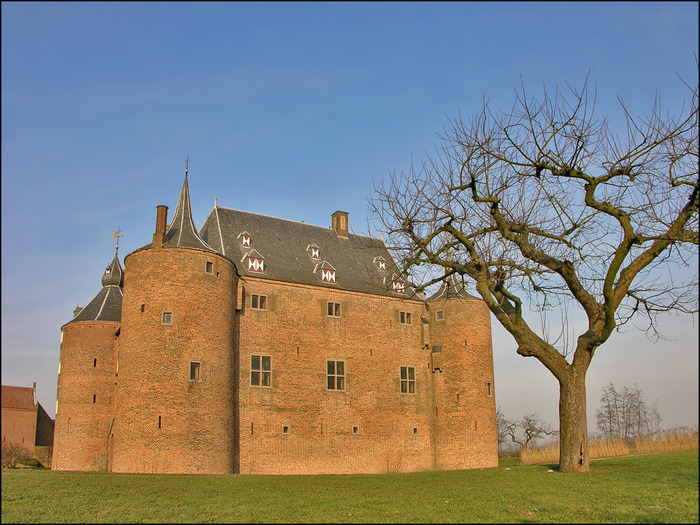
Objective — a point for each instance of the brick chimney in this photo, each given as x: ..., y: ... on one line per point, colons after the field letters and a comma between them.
x: 339, y: 220
x: 161, y: 224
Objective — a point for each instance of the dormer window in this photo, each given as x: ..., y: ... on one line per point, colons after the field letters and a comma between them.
x: 256, y: 262
x: 313, y: 251
x: 326, y: 272
x: 108, y: 271
x: 398, y: 286
x: 244, y: 237
x: 380, y: 262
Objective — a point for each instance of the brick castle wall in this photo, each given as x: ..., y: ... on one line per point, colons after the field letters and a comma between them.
x: 85, y: 396
x: 19, y: 426
x: 164, y: 421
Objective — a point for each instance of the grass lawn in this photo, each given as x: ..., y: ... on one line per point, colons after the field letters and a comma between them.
x: 659, y: 488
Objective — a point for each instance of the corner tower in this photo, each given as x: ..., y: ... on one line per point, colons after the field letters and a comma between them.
x: 86, y: 378
x: 461, y: 366
x: 175, y: 394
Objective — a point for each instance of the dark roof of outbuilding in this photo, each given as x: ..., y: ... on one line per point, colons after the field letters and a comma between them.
x: 360, y: 263
x: 451, y: 288
x: 18, y: 397
x: 107, y: 304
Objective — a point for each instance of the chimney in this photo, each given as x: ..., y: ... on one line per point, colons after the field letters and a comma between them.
x: 161, y: 223
x: 339, y: 221
x: 77, y: 310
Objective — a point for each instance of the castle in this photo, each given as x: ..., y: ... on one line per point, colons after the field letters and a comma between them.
x: 258, y: 345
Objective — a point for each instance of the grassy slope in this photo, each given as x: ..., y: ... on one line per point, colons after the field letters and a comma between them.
x: 660, y: 488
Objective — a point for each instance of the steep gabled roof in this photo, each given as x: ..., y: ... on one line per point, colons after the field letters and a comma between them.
x: 451, y: 288
x: 18, y: 397
x: 107, y: 304
x: 182, y: 232
x: 291, y: 251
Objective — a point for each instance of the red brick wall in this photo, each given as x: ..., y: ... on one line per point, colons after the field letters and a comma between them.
x: 464, y: 410
x: 19, y: 426
x: 196, y: 433
x: 297, y: 333
x: 85, y: 396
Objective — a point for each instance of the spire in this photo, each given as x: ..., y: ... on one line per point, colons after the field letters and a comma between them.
x: 182, y: 232
x: 107, y: 304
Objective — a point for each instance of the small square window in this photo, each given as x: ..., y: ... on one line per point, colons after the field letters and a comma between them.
x: 355, y: 430
x: 334, y: 309
x: 415, y: 431
x: 167, y: 318
x: 405, y: 317
x: 335, y: 375
x: 209, y: 267
x: 195, y: 371
x: 440, y: 315
x: 260, y: 370
x: 258, y: 302
x: 285, y: 429
x: 408, y: 380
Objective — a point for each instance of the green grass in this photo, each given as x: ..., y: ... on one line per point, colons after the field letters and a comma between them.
x: 660, y: 488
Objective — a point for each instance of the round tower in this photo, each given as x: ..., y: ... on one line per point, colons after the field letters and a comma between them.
x: 86, y: 376
x: 175, y: 387
x: 462, y: 373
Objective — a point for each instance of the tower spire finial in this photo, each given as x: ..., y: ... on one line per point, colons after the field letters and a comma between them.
x: 187, y: 165
x: 117, y: 235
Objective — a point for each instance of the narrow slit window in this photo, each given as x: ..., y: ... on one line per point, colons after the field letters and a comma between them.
x: 94, y: 398
x: 355, y: 430
x: 94, y: 362
x: 489, y: 390
x: 159, y: 421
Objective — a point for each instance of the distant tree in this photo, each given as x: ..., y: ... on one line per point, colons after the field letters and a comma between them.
x: 526, y: 431
x: 624, y: 414
x: 13, y: 453
x: 548, y: 205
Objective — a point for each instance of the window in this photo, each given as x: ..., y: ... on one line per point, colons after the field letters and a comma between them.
x: 334, y: 309
x: 195, y: 371
x: 209, y: 267
x: 94, y: 362
x: 405, y: 317
x: 258, y: 302
x: 335, y: 374
x: 440, y: 315
x: 285, y: 429
x: 488, y: 389
x: 167, y: 318
x: 355, y: 430
x: 415, y: 431
x: 408, y: 380
x: 260, y: 370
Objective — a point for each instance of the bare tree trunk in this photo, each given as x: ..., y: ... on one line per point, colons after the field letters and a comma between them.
x: 573, y: 426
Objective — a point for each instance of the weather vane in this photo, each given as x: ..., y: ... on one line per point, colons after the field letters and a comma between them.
x: 118, y: 235
x: 187, y: 164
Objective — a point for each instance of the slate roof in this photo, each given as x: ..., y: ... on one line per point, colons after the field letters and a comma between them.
x: 182, y: 232
x: 107, y: 304
x: 18, y: 397
x: 451, y: 288
x: 285, y: 248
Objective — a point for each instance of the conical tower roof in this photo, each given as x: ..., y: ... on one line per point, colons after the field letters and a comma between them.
x: 181, y: 230
x: 451, y: 288
x: 107, y: 304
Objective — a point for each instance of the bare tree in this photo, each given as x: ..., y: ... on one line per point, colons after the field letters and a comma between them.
x: 624, y: 414
x: 526, y: 431
x: 546, y: 205
x: 13, y: 453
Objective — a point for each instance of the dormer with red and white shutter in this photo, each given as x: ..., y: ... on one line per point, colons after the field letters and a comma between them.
x: 313, y: 251
x: 244, y: 239
x: 325, y: 272
x: 254, y: 261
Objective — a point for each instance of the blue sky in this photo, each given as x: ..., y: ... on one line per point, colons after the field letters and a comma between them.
x: 292, y: 110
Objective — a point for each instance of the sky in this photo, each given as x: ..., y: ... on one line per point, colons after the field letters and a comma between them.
x: 293, y: 110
